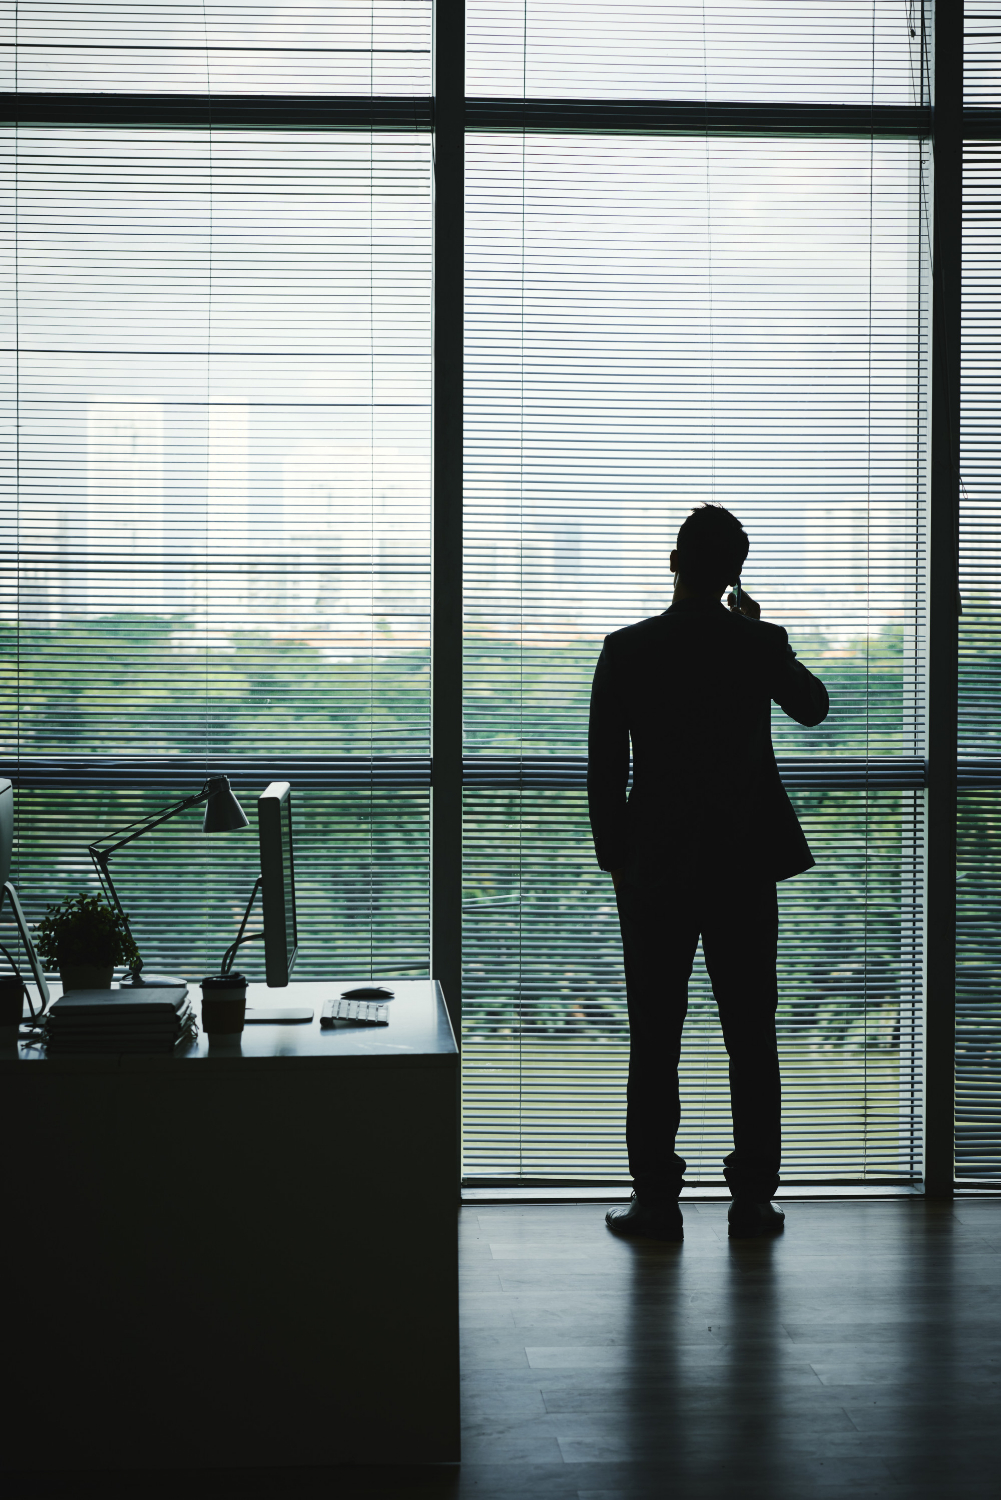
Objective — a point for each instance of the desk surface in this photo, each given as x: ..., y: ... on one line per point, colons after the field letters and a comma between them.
x: 419, y: 1032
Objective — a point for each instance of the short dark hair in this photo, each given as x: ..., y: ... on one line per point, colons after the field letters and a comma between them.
x: 712, y: 546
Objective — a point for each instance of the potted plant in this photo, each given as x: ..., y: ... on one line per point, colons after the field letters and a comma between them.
x: 84, y: 938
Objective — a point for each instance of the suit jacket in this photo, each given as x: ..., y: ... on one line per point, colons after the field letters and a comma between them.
x: 693, y: 688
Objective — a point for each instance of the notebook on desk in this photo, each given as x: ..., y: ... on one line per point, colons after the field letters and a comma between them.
x: 109, y: 1005
x: 119, y: 1021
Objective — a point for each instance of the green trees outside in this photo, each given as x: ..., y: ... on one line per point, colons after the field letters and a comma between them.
x: 155, y: 685
x: 138, y: 686
x: 543, y: 965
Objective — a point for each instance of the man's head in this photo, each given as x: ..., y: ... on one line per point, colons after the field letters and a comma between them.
x: 712, y: 546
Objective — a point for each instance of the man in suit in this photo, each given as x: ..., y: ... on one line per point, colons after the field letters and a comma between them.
x: 696, y: 849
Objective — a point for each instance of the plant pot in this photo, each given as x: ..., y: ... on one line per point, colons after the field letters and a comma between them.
x: 86, y: 976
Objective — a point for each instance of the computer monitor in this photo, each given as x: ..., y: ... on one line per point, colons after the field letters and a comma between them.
x: 8, y: 895
x: 6, y: 828
x: 274, y: 823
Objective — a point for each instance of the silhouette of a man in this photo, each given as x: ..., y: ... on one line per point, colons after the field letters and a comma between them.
x: 696, y: 848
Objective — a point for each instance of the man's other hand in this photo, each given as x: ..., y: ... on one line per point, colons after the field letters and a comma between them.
x: 748, y: 606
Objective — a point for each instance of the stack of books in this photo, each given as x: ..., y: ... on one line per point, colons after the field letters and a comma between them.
x: 128, y: 1020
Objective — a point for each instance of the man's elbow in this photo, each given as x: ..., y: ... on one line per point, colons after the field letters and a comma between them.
x: 819, y: 709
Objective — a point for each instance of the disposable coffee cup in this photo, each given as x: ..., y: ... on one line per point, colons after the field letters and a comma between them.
x: 224, y: 1004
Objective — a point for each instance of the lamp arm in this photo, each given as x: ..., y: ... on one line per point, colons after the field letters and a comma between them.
x: 100, y: 858
x: 146, y: 825
x: 100, y: 855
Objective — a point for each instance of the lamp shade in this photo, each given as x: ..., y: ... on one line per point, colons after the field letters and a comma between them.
x: 223, y: 813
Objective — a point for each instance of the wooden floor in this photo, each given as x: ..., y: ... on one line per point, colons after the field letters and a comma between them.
x: 857, y: 1356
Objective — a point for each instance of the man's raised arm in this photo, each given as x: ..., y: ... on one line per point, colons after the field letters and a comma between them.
x: 795, y: 689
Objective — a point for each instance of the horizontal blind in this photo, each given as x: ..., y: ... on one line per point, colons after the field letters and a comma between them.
x: 228, y: 46
x: 778, y: 51
x: 222, y: 392
x: 981, y: 53
x: 978, y: 987
x: 216, y: 437
x: 546, y: 1037
x: 361, y: 861
x: 653, y: 322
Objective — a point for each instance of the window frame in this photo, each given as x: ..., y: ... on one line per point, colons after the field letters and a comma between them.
x: 448, y: 114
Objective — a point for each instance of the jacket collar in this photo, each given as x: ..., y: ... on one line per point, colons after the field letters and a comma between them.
x: 696, y: 607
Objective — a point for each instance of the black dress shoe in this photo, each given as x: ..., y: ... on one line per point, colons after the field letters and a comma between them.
x: 749, y: 1221
x: 654, y: 1221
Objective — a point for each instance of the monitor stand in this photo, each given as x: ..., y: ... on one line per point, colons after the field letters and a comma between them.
x: 278, y: 1013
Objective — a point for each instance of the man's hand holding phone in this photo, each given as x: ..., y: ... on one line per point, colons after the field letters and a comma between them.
x: 747, y: 606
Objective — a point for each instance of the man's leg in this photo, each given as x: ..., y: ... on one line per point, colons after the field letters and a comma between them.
x: 740, y: 943
x: 660, y: 935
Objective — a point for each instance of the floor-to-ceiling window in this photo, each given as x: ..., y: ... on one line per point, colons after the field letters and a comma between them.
x: 686, y: 281
x: 217, y: 428
x: 978, y: 969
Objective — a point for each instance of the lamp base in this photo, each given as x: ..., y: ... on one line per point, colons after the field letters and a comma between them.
x: 146, y: 981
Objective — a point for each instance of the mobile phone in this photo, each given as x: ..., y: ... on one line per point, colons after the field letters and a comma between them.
x: 736, y: 597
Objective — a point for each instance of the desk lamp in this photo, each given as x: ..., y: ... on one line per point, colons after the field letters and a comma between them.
x: 223, y: 814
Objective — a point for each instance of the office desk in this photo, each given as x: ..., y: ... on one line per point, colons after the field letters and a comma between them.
x: 237, y: 1257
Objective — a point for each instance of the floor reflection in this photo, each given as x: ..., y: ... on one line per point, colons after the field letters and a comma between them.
x: 706, y: 1377
x: 663, y: 1338
x: 751, y: 1394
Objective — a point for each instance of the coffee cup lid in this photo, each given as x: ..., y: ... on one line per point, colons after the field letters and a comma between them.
x: 224, y: 982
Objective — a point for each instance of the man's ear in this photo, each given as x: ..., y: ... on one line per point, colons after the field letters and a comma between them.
x: 674, y: 560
